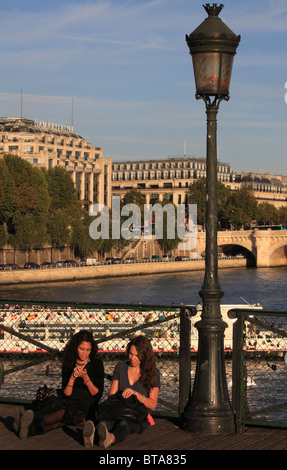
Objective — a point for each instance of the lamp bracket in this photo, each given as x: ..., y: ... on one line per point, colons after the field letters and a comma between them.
x: 216, y: 100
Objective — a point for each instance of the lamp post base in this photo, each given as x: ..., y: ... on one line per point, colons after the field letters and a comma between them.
x: 209, y: 424
x: 209, y: 410
x: 209, y: 421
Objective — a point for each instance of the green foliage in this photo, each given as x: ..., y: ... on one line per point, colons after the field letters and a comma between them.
x: 31, y: 188
x: 61, y: 190
x: 3, y: 236
x: 235, y: 208
x: 8, y: 202
x: 28, y: 211
x: 168, y: 244
x: 80, y: 239
x: 267, y: 214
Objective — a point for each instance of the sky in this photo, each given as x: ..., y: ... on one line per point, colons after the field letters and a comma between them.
x: 120, y: 71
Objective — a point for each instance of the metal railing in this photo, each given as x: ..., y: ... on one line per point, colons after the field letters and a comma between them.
x: 259, y: 375
x: 33, y: 334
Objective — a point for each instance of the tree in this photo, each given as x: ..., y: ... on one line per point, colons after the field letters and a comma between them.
x: 197, y: 195
x: 64, y: 205
x: 267, y: 214
x: 61, y: 190
x: 80, y: 239
x: 28, y: 224
x: 282, y: 215
x: 168, y: 244
x: 8, y: 202
x: 243, y: 208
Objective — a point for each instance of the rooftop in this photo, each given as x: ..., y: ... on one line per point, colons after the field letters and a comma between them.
x: 19, y: 124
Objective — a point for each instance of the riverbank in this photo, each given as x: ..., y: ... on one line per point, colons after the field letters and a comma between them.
x: 30, y: 276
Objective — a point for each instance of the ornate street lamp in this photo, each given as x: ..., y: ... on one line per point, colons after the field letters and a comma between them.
x: 212, y: 47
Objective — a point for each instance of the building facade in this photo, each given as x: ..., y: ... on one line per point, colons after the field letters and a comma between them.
x: 170, y: 179
x: 160, y: 180
x: 48, y: 145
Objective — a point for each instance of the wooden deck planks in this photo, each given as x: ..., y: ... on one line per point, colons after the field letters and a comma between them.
x: 165, y: 435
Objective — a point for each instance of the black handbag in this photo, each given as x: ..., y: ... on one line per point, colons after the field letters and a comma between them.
x: 116, y: 408
x: 43, y: 393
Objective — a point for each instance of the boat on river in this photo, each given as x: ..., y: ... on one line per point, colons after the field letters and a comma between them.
x: 51, y: 325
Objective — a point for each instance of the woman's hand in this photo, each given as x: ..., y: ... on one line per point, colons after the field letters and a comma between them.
x: 80, y: 372
x: 128, y: 392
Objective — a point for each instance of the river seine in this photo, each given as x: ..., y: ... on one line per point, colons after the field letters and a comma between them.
x: 267, y: 286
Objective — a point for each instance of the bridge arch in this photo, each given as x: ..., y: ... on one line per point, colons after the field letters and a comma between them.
x: 278, y: 254
x: 233, y: 249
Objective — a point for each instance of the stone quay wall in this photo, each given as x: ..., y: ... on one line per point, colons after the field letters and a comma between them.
x: 27, y: 276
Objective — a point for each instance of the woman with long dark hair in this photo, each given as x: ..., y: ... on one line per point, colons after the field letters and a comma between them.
x: 82, y: 388
x: 138, y: 376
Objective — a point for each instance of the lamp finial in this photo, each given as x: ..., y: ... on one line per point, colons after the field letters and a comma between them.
x: 213, y: 10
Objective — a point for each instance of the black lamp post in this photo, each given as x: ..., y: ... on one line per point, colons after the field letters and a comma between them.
x: 212, y: 47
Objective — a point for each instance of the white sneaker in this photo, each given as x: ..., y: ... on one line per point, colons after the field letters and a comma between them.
x: 89, y: 433
x: 26, y: 421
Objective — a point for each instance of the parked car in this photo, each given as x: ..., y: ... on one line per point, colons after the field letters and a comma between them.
x: 70, y: 262
x: 48, y: 264
x: 59, y: 264
x: 3, y: 267
x: 31, y: 265
x: 145, y: 260
x: 155, y: 258
x: 130, y: 260
x: 109, y: 260
x: 13, y: 266
x: 178, y: 258
x: 167, y: 258
x: 195, y: 256
x: 118, y: 261
x: 185, y: 258
x: 89, y: 262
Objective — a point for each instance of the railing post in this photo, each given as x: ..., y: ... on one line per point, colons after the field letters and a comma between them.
x: 1, y: 373
x: 237, y: 372
x: 236, y: 367
x: 184, y: 360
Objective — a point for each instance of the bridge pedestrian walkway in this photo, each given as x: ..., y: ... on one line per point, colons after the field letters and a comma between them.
x: 165, y: 435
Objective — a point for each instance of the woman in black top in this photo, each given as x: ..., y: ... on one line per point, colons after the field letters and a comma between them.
x: 82, y: 388
x: 140, y: 377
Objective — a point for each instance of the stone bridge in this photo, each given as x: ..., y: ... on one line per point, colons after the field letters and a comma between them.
x: 265, y: 248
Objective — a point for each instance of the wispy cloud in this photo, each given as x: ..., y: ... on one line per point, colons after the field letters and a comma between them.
x: 127, y: 67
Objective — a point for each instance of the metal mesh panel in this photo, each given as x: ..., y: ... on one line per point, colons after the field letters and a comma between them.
x: 263, y: 381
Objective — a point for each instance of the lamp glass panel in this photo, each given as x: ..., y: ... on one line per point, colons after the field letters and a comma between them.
x: 226, y: 69
x: 206, y: 67
x: 212, y: 72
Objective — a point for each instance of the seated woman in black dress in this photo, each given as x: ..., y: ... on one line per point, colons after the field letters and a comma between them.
x: 140, y: 377
x: 82, y: 388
